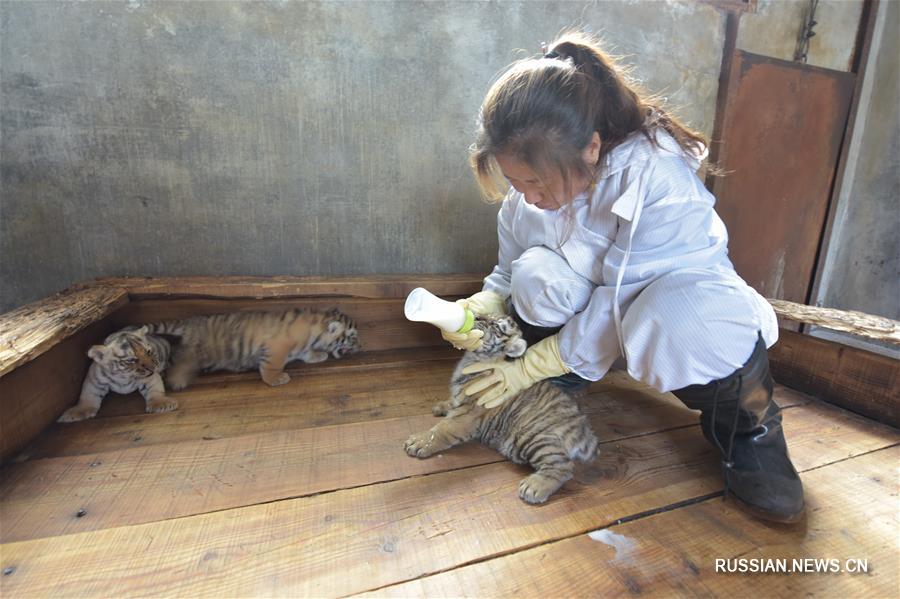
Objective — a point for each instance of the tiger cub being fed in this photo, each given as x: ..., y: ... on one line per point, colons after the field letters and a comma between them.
x: 129, y: 360
x: 265, y: 340
x: 541, y: 426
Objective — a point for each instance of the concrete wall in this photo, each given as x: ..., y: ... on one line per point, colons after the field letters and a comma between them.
x: 862, y: 270
x: 773, y: 30
x: 179, y: 138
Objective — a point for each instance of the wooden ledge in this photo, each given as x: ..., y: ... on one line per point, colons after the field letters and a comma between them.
x: 849, y: 321
x: 43, y: 345
x: 373, y: 287
x: 29, y: 331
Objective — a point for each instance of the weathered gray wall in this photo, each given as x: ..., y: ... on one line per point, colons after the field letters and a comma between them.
x: 862, y: 271
x: 774, y: 28
x: 150, y: 138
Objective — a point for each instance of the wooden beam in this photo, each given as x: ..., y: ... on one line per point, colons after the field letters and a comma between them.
x: 29, y: 331
x: 855, y: 379
x: 729, y: 44
x: 865, y: 325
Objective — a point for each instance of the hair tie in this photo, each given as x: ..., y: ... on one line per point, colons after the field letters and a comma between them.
x: 548, y: 54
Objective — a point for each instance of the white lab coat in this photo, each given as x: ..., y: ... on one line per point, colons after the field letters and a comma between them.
x: 637, y: 268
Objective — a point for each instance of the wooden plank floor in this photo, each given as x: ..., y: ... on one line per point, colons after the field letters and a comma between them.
x: 304, y: 490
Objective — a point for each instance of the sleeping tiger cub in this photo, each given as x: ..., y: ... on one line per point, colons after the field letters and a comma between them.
x: 128, y: 360
x: 265, y: 340
x: 541, y: 426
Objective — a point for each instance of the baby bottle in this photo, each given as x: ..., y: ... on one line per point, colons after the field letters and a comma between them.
x: 423, y: 306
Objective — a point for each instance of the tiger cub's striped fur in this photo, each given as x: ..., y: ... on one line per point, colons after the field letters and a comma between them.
x: 541, y: 426
x: 128, y: 360
x: 265, y: 340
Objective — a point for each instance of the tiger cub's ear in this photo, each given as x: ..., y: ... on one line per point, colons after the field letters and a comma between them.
x: 143, y: 330
x: 515, y: 347
x: 96, y: 352
x: 335, y: 326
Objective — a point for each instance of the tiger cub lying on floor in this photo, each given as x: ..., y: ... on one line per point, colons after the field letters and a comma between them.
x: 128, y: 360
x: 247, y: 340
x: 541, y: 426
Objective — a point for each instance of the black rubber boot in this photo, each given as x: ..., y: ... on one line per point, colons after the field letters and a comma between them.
x: 532, y: 334
x: 739, y: 416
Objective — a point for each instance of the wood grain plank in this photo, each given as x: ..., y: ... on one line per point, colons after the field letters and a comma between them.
x: 218, y: 409
x: 365, y: 538
x: 41, y: 497
x: 674, y: 553
x: 358, y: 539
x: 29, y: 331
x: 861, y: 381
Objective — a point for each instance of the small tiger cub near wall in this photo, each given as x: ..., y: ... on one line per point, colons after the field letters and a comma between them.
x: 542, y: 426
x: 248, y: 340
x: 128, y: 360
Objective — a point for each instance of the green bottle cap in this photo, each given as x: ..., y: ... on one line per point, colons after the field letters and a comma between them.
x: 469, y: 323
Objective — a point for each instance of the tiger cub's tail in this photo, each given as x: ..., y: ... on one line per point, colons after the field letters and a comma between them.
x: 583, y: 447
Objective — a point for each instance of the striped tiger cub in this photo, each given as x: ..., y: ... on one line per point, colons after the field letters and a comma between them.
x: 264, y: 340
x: 128, y: 360
x: 542, y: 426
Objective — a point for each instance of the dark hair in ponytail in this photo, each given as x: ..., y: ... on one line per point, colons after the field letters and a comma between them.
x: 544, y: 111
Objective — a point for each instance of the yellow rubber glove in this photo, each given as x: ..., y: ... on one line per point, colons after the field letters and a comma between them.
x: 468, y: 341
x: 508, y: 378
x: 483, y: 303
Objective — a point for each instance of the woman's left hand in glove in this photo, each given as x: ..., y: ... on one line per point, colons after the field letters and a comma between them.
x: 507, y: 378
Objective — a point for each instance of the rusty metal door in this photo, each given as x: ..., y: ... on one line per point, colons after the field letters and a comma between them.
x: 782, y: 132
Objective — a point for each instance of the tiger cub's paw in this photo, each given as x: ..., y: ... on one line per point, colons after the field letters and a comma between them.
x: 314, y: 357
x: 163, y: 403
x: 177, y: 381
x: 537, y: 488
x: 78, y: 413
x: 441, y: 408
x: 420, y: 445
x: 278, y: 380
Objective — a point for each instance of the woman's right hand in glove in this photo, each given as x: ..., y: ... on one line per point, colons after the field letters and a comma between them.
x: 468, y: 341
x: 483, y: 303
